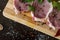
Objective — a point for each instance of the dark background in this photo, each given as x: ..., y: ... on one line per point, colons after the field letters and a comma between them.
x: 15, y: 31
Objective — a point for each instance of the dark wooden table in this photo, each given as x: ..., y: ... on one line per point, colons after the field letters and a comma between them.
x: 15, y: 31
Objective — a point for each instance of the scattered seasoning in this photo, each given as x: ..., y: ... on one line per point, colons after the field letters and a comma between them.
x: 42, y: 10
x: 50, y: 28
x: 43, y: 5
x: 24, y: 15
x: 38, y: 10
x: 19, y: 8
x: 43, y: 23
x: 59, y: 19
x: 54, y: 15
x: 38, y: 24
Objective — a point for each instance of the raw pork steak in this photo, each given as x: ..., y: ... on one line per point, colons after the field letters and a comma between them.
x: 42, y: 10
x: 19, y: 5
x: 54, y: 18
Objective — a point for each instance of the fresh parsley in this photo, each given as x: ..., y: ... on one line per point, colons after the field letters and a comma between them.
x: 40, y: 1
x: 56, y: 4
x: 49, y: 0
x: 27, y: 0
x: 31, y: 8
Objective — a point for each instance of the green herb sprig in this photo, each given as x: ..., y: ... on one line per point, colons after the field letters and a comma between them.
x: 40, y: 1
x: 56, y: 4
x: 27, y: 0
x: 31, y: 8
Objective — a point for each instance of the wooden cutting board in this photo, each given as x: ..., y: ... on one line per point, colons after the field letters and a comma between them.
x: 27, y: 20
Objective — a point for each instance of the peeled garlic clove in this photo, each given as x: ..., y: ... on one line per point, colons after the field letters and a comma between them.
x: 1, y: 27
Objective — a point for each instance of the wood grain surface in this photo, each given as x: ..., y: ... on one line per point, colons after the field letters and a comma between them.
x: 27, y: 20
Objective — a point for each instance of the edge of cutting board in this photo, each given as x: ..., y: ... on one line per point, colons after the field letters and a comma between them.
x: 9, y: 13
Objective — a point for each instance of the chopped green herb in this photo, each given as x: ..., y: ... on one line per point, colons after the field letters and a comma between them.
x: 56, y: 4
x: 31, y: 8
x: 27, y: 0
x: 49, y: 0
x: 40, y: 1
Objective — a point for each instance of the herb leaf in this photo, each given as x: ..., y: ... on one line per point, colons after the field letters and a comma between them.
x: 56, y: 4
x: 40, y: 1
x: 27, y: 0
x: 31, y: 8
x: 49, y: 0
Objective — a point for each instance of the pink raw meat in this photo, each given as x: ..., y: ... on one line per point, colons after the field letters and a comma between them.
x: 42, y: 10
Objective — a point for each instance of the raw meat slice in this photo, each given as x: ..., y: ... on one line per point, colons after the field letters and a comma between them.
x: 58, y: 33
x: 54, y: 19
x: 21, y: 6
x: 42, y: 10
